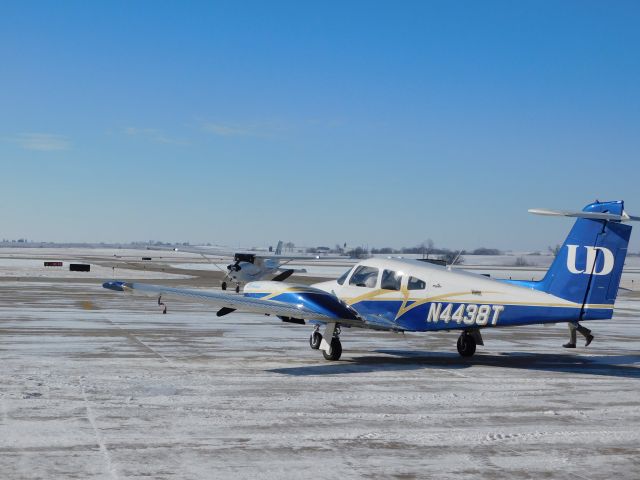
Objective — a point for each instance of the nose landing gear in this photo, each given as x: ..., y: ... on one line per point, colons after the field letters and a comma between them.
x: 316, y: 338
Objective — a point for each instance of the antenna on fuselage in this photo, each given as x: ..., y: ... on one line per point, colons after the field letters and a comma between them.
x: 455, y: 260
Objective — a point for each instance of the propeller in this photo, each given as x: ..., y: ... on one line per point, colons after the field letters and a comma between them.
x: 224, y: 311
x: 234, y: 266
x: 283, y: 276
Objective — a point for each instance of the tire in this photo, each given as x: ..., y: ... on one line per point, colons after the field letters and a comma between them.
x: 466, y: 345
x: 314, y: 340
x: 224, y: 285
x: 336, y: 350
x: 237, y: 288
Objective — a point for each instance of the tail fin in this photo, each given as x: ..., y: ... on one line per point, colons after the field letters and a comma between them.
x: 279, y: 248
x: 588, y: 267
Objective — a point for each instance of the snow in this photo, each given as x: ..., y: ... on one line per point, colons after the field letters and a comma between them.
x: 98, y: 385
x: 31, y: 268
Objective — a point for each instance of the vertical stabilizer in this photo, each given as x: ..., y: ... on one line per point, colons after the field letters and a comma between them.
x: 588, y: 267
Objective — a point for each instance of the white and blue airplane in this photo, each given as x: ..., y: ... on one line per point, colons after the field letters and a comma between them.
x: 412, y: 296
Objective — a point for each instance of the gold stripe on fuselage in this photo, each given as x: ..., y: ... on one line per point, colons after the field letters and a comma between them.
x: 447, y: 297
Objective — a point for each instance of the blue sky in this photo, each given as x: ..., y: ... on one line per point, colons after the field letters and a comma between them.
x: 375, y: 123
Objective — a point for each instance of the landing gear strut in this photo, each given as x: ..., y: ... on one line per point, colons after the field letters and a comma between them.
x: 162, y: 304
x: 466, y: 344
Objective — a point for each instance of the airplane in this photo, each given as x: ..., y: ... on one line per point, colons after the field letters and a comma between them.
x: 249, y: 267
x: 411, y: 296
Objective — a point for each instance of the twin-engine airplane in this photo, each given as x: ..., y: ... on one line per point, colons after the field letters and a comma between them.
x: 412, y: 296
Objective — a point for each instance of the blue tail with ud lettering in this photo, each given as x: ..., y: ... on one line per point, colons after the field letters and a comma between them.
x: 588, y: 267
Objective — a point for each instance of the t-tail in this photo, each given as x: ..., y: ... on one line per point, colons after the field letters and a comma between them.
x: 588, y: 267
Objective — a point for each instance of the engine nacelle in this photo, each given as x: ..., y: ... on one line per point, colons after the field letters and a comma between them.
x: 309, y: 297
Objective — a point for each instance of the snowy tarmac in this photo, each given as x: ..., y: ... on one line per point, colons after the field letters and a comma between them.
x: 97, y: 385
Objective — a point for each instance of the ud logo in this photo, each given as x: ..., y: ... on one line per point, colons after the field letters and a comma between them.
x: 589, y: 266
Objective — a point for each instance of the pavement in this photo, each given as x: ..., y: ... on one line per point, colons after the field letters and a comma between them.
x: 97, y: 385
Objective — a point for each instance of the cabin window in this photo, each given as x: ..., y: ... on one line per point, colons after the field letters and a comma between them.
x: 364, y: 277
x: 416, y: 284
x: 390, y: 280
x: 344, y: 276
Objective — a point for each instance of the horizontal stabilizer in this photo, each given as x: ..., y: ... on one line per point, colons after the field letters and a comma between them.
x: 590, y: 215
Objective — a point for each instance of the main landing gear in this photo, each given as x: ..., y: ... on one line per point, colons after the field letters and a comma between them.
x: 330, y: 350
x: 224, y: 287
x: 467, y: 342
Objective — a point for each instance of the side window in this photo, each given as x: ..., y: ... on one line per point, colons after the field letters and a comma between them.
x: 344, y: 277
x: 364, y: 277
x: 416, y: 284
x: 390, y: 280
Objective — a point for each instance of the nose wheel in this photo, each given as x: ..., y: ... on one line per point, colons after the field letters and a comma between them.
x: 315, y: 339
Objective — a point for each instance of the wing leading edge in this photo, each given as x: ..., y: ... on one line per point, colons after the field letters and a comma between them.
x: 242, y: 303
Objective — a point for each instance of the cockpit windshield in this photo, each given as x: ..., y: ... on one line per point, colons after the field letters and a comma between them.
x: 344, y: 276
x: 364, y: 277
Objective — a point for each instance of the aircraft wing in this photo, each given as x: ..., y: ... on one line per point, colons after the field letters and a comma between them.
x: 222, y: 252
x: 303, y: 310
x: 210, y: 251
x: 289, y: 258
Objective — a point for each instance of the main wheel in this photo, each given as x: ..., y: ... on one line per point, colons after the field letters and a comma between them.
x: 315, y: 339
x: 466, y: 345
x: 237, y: 288
x: 224, y: 285
x: 336, y: 350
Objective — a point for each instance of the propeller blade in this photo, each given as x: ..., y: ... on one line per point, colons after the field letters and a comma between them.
x: 283, y: 276
x: 225, y: 311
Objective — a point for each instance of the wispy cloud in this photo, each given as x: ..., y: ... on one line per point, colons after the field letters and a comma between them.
x: 260, y: 130
x: 154, y: 135
x: 225, y: 130
x: 44, y: 142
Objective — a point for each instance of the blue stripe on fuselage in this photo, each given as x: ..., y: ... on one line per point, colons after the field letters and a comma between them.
x: 416, y: 319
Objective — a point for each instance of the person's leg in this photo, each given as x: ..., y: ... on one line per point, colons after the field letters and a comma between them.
x: 572, y: 336
x: 572, y: 332
x: 586, y: 332
x: 583, y: 330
